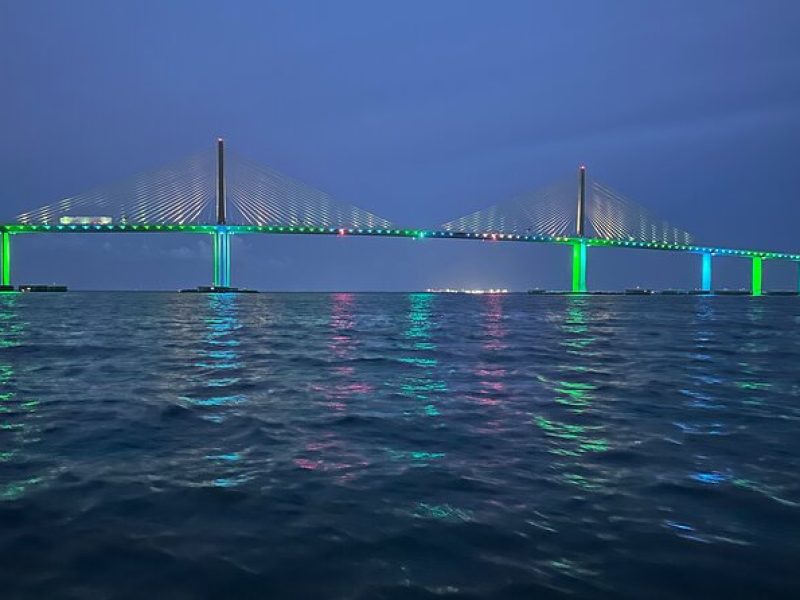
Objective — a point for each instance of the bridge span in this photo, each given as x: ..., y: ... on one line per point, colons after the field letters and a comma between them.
x: 193, y: 197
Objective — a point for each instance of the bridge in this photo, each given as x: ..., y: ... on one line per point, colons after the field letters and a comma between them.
x: 211, y: 193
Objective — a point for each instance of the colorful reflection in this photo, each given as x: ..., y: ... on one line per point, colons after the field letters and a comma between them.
x: 317, y: 456
x: 705, y: 397
x: 331, y: 453
x: 572, y: 425
x: 339, y: 388
x: 218, y: 393
x: 420, y: 384
x: 710, y: 395
x: 751, y: 383
x: 18, y: 428
x: 342, y: 347
x: 489, y: 371
x: 701, y: 388
x: 419, y: 381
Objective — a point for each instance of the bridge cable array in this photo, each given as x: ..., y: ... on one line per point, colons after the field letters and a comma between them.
x: 262, y: 196
x: 613, y: 216
x: 181, y: 193
x: 184, y: 193
x: 549, y: 212
x: 552, y: 212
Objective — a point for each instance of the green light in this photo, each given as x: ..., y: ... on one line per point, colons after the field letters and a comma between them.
x: 578, y: 267
x: 757, y: 265
x: 5, y: 276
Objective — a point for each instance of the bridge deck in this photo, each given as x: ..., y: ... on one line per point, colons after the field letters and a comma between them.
x: 21, y: 228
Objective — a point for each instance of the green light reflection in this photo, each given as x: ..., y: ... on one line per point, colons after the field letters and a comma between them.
x: 18, y: 427
x: 419, y: 381
x: 752, y: 380
x: 572, y: 425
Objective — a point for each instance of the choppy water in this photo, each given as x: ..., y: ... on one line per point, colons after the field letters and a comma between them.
x: 398, y: 446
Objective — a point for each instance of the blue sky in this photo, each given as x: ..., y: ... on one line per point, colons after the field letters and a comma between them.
x: 418, y: 111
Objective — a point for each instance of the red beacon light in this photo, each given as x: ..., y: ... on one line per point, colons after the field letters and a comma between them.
x: 341, y: 232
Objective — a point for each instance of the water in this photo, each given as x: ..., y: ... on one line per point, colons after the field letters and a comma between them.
x: 398, y: 446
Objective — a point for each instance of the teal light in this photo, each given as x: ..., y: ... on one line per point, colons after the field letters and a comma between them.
x: 706, y: 274
x: 222, y: 258
x: 798, y: 277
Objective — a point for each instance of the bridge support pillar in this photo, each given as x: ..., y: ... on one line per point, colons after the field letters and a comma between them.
x: 579, y: 267
x: 222, y: 258
x: 705, y: 278
x: 756, y: 279
x: 5, y: 258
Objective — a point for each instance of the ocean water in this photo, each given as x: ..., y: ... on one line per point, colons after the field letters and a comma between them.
x: 398, y: 446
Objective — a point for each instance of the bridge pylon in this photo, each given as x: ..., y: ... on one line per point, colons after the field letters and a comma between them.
x: 5, y: 258
x: 579, y: 267
x: 579, y: 247
x: 222, y: 257
x: 756, y: 276
x: 220, y: 181
x: 222, y: 236
x: 580, y: 227
x: 705, y: 275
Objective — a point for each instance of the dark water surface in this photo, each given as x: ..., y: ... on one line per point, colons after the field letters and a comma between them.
x: 398, y: 446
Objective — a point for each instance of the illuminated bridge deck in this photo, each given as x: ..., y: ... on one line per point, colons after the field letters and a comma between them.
x: 17, y: 228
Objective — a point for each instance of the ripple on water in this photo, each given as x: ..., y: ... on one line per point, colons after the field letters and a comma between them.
x: 398, y: 445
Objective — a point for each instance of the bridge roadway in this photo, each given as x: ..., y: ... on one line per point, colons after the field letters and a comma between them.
x: 222, y: 235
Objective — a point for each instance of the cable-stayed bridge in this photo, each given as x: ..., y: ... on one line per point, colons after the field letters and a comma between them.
x: 219, y: 194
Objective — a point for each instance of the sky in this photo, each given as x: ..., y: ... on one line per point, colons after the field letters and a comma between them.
x: 418, y: 111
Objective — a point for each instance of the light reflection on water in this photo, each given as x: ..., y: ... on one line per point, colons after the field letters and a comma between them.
x: 219, y: 358
x: 489, y: 371
x: 343, y: 384
x: 18, y: 424
x: 216, y: 379
x: 576, y: 432
x: 343, y: 393
x: 419, y: 381
x: 337, y: 444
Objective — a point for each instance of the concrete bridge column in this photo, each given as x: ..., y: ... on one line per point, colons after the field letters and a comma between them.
x: 705, y: 278
x: 222, y: 257
x: 756, y: 278
x: 579, y: 267
x: 5, y: 258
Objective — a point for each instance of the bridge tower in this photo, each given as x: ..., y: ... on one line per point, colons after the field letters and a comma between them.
x: 579, y: 246
x: 222, y: 236
x: 581, y: 200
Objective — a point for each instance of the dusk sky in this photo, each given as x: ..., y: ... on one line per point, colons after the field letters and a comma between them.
x: 417, y: 111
